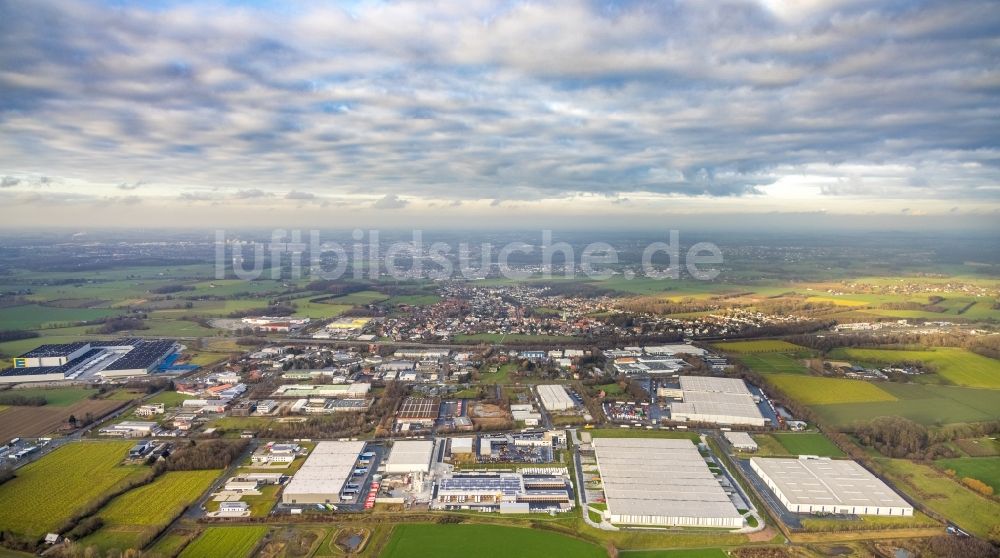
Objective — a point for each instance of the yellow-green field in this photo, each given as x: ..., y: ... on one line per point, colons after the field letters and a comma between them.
x: 132, y: 519
x: 958, y: 366
x: 51, y: 490
x: 940, y: 493
x: 758, y: 346
x: 231, y: 542
x: 813, y: 390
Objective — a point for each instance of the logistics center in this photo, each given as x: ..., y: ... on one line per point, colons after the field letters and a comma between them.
x: 661, y: 482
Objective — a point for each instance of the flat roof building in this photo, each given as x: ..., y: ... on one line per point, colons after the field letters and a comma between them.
x: 823, y: 485
x: 661, y: 482
x: 554, y: 397
x: 741, y: 441
x: 713, y: 400
x: 410, y: 456
x: 323, y: 474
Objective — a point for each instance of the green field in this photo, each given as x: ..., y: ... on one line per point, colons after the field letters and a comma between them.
x: 958, y: 366
x: 359, y: 298
x: 132, y: 519
x: 168, y: 398
x: 970, y: 511
x: 58, y: 397
x: 758, y: 346
x: 986, y: 469
x: 33, y: 316
x: 774, y: 363
x: 928, y: 405
x: 51, y: 490
x: 483, y: 541
x: 813, y: 390
x: 808, y: 443
x: 231, y: 542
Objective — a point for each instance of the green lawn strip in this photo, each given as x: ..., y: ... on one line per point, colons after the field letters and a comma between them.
x: 808, y: 443
x: 484, y: 541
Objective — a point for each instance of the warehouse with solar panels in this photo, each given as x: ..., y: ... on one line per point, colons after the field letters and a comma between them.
x: 823, y: 485
x: 661, y: 482
x: 85, y: 359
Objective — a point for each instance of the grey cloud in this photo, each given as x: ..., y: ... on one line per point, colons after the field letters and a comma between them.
x: 497, y: 101
x: 251, y: 194
x: 389, y: 201
x: 130, y: 185
x: 9, y: 181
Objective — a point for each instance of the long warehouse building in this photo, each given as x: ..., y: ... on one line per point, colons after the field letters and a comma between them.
x: 322, y: 476
x: 661, y: 482
x: 554, y: 397
x: 822, y: 485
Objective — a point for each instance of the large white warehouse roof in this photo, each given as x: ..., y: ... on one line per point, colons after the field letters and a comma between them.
x: 661, y: 482
x: 325, y: 471
x: 410, y: 456
x: 812, y: 485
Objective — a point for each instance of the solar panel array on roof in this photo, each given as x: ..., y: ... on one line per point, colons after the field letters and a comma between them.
x: 55, y: 349
x: 143, y: 355
x: 509, y: 485
x: 44, y: 370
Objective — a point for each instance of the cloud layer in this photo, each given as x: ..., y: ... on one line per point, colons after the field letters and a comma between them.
x: 381, y: 104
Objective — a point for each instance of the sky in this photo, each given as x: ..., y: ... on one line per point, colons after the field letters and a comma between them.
x: 742, y: 113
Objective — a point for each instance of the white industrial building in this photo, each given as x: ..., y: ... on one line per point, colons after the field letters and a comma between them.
x: 554, y: 397
x: 410, y: 456
x: 461, y: 445
x: 823, y: 485
x: 713, y: 400
x: 661, y: 482
x: 323, y: 474
x: 741, y: 441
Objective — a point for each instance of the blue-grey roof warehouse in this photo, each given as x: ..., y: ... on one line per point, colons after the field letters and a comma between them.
x: 84, y: 359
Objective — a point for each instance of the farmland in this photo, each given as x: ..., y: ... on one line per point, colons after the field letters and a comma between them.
x: 812, y: 390
x: 808, y: 443
x: 39, y: 421
x: 51, y: 490
x: 986, y: 469
x: 958, y: 366
x: 232, y: 542
x: 942, y: 494
x: 758, y: 346
x: 928, y: 405
x: 32, y: 316
x: 484, y: 541
x: 59, y: 397
x: 133, y: 518
x: 773, y: 363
